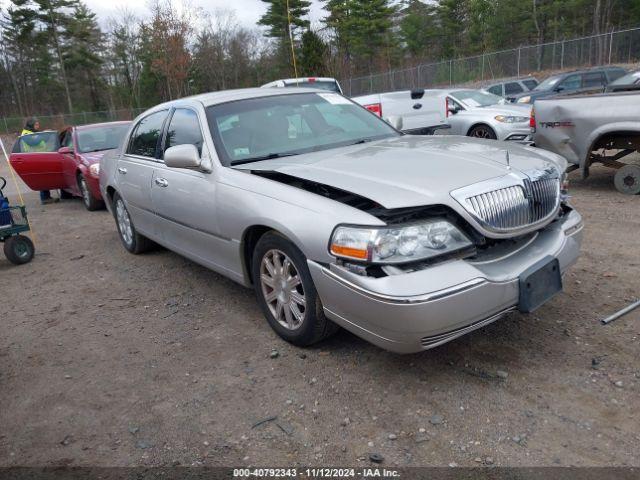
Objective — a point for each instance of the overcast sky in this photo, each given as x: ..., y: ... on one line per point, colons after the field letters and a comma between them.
x: 247, y: 11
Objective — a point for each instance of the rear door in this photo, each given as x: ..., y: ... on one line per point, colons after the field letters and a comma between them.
x: 135, y: 168
x: 36, y: 160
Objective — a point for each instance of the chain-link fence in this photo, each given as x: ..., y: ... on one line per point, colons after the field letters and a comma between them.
x: 618, y: 47
x: 15, y: 124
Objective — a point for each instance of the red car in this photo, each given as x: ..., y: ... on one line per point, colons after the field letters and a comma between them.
x: 68, y: 160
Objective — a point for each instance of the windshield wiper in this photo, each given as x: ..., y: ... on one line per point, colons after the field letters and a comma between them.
x: 269, y: 156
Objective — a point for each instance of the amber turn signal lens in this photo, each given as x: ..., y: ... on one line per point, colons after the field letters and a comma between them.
x: 348, y: 252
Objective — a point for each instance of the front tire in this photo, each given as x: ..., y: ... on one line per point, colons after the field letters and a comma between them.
x: 91, y: 203
x: 286, y: 293
x: 483, y: 131
x: 19, y: 249
x: 130, y: 238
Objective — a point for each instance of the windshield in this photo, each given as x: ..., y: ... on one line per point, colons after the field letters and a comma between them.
x: 283, y: 125
x: 628, y: 79
x: 330, y: 86
x: 476, y: 98
x: 548, y: 83
x: 107, y: 137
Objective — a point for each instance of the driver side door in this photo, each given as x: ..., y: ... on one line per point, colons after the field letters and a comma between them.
x: 36, y: 160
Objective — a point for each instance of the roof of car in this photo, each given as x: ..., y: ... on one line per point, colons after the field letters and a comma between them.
x: 224, y: 96
x: 103, y: 124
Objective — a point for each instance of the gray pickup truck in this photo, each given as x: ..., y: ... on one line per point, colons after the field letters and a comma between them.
x: 588, y: 129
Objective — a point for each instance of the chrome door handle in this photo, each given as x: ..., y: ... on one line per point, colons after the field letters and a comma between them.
x: 161, y: 182
x: 122, y: 170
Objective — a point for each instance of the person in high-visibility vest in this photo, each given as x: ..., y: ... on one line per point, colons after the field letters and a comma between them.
x: 29, y: 144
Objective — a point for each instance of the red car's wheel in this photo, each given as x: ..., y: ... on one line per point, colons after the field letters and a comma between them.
x: 90, y: 202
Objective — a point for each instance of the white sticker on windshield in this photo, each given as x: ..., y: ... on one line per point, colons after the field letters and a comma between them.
x: 335, y: 99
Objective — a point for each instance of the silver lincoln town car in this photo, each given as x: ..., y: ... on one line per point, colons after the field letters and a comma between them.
x: 337, y: 219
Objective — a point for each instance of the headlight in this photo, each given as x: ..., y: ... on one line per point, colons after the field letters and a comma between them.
x: 564, y: 187
x: 510, y: 119
x: 94, y: 169
x: 398, y: 244
x: 525, y: 99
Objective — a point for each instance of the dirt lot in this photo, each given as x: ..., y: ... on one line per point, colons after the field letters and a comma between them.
x: 118, y: 360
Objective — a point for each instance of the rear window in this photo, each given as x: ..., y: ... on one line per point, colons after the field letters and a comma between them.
x: 145, y: 138
x: 331, y: 86
x: 496, y: 90
x: 530, y: 84
x: 512, y: 88
x: 593, y: 79
x: 38, y: 142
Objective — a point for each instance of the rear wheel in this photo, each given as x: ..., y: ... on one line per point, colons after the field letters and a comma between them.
x: 483, y: 131
x: 131, y: 239
x: 627, y: 180
x: 19, y: 249
x: 90, y: 202
x: 286, y: 292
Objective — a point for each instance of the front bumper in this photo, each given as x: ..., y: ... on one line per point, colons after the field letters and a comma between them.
x: 514, y: 133
x: 416, y: 311
x: 94, y: 186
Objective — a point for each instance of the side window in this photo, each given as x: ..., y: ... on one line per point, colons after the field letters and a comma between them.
x: 593, y: 79
x: 530, y: 84
x: 144, y: 139
x: 496, y: 90
x: 512, y: 88
x: 38, y: 142
x: 184, y: 129
x: 572, y: 82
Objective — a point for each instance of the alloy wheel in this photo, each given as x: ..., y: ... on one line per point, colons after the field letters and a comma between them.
x: 481, y: 132
x: 124, y: 222
x: 282, y: 289
x: 85, y: 192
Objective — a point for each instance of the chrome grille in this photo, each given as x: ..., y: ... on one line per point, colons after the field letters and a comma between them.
x: 517, y: 206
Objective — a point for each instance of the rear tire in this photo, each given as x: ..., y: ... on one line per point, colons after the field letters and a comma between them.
x: 483, y: 131
x: 19, y: 249
x: 91, y: 203
x: 130, y: 238
x: 286, y: 293
x: 627, y: 180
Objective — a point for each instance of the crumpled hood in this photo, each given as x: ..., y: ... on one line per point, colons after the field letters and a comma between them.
x: 410, y: 170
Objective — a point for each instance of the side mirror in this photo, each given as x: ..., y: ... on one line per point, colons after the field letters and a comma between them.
x: 453, y: 109
x: 182, y: 156
x: 65, y: 150
x: 558, y: 89
x: 395, y: 121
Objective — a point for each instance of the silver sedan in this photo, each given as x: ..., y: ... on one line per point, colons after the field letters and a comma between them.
x: 336, y: 219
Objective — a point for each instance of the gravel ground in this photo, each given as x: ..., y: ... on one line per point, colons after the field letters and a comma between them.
x: 112, y: 359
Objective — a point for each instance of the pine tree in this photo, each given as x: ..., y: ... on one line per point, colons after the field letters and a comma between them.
x: 312, y: 55
x: 284, y: 25
x: 83, y: 44
x: 418, y: 28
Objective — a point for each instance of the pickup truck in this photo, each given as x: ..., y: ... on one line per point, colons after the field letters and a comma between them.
x: 457, y: 111
x: 588, y: 129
